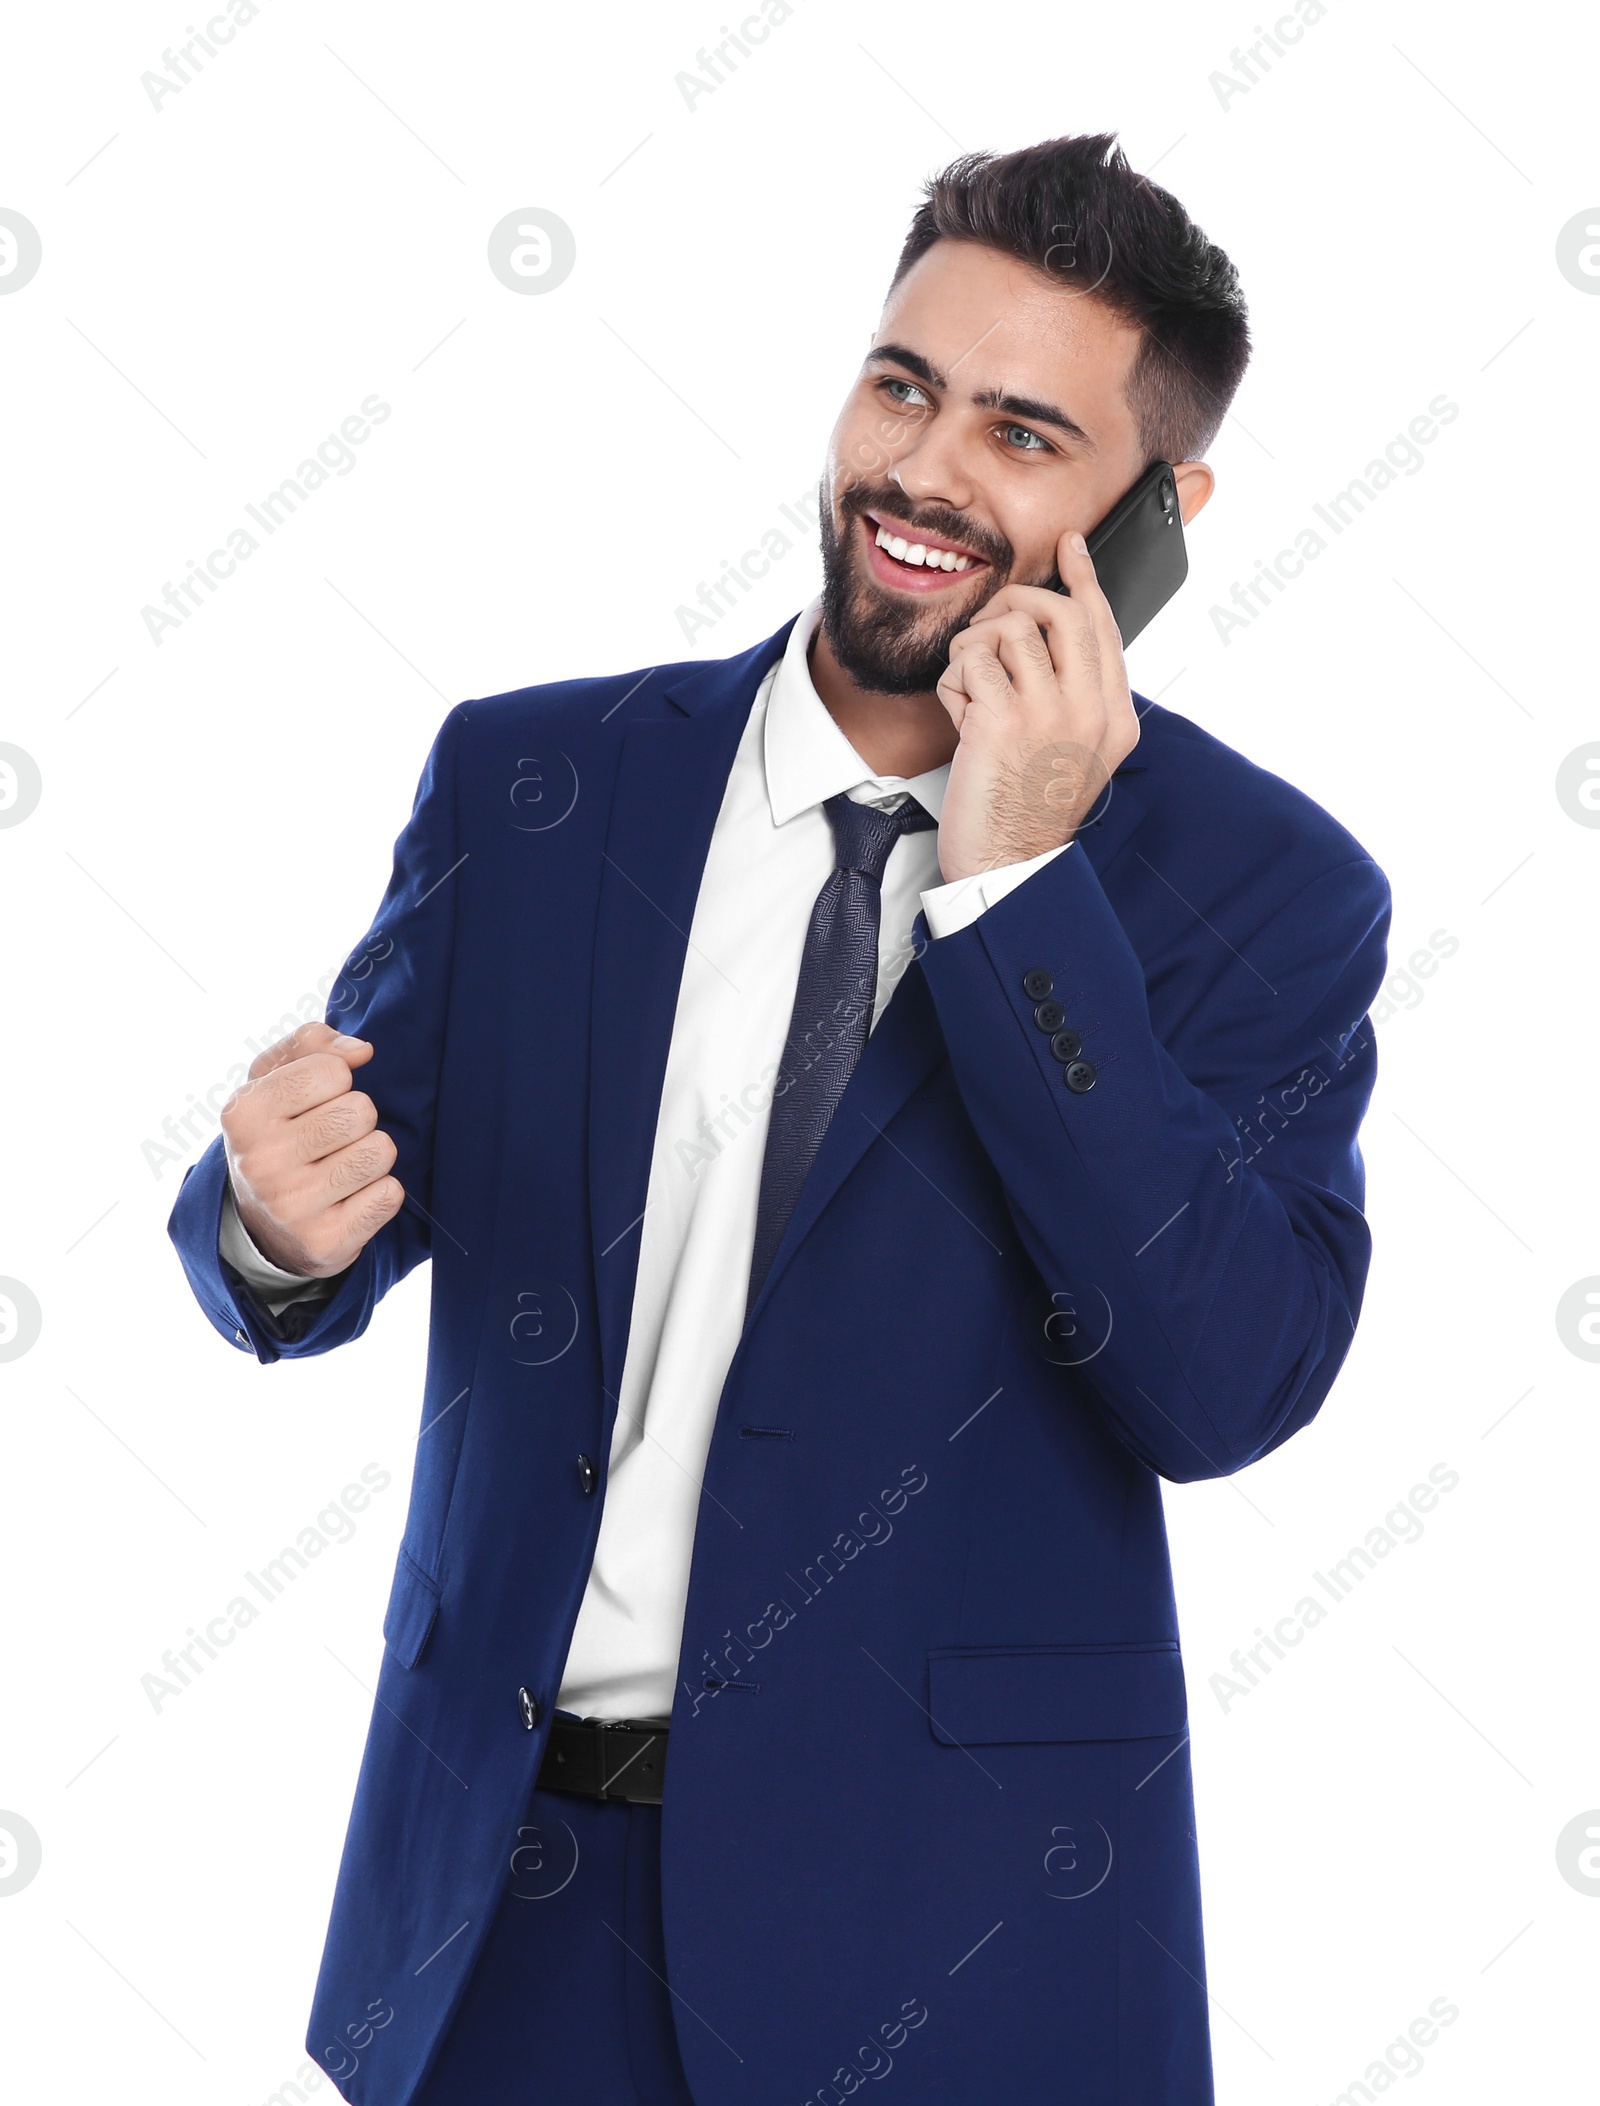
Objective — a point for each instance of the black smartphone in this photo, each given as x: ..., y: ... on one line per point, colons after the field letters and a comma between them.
x: 1138, y: 550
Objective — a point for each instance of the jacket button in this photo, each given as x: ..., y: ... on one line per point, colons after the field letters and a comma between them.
x: 1066, y: 1045
x: 528, y: 1705
x: 1037, y: 984
x: 1080, y: 1076
x: 1049, y: 1016
x: 588, y: 1475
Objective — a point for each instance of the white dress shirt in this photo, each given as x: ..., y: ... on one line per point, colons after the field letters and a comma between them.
x: 771, y: 852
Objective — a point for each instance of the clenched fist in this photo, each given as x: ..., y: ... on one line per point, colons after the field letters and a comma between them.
x: 309, y: 1168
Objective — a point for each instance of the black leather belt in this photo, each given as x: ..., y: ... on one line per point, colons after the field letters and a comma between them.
x: 606, y: 1758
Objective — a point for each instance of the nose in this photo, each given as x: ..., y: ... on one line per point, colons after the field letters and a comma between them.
x: 933, y: 469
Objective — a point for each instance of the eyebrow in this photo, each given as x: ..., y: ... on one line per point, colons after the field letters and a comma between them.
x: 1029, y: 406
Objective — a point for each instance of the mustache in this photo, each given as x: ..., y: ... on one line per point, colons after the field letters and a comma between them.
x: 941, y: 521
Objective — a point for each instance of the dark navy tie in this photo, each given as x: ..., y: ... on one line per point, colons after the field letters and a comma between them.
x: 833, y: 1005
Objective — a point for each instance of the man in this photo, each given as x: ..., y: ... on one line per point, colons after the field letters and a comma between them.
x: 875, y: 1105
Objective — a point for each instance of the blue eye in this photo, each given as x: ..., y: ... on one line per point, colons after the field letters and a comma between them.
x: 1034, y: 442
x: 893, y: 383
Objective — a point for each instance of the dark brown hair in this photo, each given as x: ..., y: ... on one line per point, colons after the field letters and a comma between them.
x: 1075, y: 211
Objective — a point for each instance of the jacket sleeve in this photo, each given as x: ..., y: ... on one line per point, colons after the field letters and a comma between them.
x: 1203, y: 1247
x: 393, y: 989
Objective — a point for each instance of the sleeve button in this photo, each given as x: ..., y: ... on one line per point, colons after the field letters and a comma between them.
x: 1049, y: 1016
x: 1080, y: 1076
x: 1037, y: 984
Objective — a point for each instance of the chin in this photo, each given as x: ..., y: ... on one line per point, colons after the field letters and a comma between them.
x: 887, y: 644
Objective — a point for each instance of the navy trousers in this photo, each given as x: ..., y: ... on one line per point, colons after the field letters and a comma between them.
x: 569, y: 1999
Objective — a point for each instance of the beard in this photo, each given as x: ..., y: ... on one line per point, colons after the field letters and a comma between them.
x: 889, y: 645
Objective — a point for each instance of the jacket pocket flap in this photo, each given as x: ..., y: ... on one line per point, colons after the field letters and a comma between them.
x: 1056, y: 1692
x: 413, y: 1604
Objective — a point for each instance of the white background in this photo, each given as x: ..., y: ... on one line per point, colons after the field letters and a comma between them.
x: 305, y: 225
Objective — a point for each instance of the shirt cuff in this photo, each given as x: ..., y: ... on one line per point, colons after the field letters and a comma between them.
x: 274, y: 1287
x: 958, y: 904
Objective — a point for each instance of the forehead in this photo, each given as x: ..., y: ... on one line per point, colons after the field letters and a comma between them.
x: 989, y: 320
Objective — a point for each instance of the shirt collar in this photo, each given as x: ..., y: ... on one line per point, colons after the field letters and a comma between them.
x: 808, y: 758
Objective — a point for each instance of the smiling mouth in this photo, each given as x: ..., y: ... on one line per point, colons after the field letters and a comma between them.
x: 914, y: 561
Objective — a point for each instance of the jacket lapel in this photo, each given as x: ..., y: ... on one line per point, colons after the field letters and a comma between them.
x: 677, y: 750
x: 904, y: 1048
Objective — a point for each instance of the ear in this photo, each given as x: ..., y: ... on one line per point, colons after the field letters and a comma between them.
x: 1195, y: 483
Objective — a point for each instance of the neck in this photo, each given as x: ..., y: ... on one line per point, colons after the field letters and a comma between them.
x: 894, y: 734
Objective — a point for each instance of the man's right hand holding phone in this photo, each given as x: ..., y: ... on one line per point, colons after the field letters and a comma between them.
x: 308, y: 1165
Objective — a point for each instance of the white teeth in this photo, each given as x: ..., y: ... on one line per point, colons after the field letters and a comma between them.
x: 917, y: 552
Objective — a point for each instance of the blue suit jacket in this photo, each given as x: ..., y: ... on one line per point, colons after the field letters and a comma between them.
x: 927, y: 1749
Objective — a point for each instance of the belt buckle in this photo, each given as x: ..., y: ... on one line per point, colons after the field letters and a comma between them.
x: 627, y: 1726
